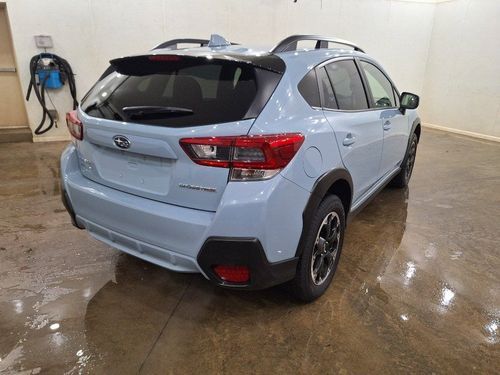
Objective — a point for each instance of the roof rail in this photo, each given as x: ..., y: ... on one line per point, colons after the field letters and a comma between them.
x: 290, y: 43
x: 173, y: 44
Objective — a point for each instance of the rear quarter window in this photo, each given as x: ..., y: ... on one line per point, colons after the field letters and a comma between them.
x: 329, y: 101
x: 308, y: 88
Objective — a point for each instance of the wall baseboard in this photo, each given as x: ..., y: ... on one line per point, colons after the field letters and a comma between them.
x: 462, y: 132
x: 55, y: 138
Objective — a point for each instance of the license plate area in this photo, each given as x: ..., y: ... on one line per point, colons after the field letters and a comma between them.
x: 145, y: 173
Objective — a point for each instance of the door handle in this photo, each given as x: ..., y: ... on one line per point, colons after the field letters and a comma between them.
x: 387, y: 125
x: 349, y: 140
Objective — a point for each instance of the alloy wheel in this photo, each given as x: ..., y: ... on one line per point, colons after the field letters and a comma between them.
x: 410, y: 162
x: 326, y: 248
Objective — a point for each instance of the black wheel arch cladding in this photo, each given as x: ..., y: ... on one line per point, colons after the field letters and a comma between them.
x: 338, y: 177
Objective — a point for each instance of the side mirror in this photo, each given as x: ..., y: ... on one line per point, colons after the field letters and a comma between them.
x: 408, y: 101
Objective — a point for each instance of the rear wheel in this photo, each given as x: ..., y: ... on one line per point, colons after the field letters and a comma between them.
x: 403, y: 177
x: 321, y: 251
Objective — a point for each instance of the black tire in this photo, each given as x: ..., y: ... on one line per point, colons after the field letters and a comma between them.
x: 304, y: 286
x: 403, y: 177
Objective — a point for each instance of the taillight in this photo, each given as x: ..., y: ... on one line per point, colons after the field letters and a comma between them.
x: 75, y: 126
x: 250, y: 157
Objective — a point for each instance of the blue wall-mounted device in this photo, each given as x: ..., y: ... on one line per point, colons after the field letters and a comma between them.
x: 51, y: 77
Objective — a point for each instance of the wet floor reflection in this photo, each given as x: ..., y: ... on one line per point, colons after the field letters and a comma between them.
x: 416, y: 289
x: 125, y: 317
x: 219, y: 327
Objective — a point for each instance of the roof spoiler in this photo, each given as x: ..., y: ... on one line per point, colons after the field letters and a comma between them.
x: 141, y: 65
x: 290, y: 43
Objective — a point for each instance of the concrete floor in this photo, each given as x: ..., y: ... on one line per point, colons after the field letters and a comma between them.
x: 417, y: 289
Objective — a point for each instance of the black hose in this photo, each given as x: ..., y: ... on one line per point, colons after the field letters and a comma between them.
x: 39, y: 130
x: 39, y: 89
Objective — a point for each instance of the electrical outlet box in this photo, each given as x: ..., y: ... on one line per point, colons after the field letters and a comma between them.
x: 54, y: 114
x: 43, y: 41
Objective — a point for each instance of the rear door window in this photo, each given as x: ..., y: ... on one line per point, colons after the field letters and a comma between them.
x: 347, y: 85
x: 196, y: 94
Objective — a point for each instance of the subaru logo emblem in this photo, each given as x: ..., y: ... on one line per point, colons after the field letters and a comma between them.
x: 121, y: 141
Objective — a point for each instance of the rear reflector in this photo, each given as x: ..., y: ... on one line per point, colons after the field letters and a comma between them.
x: 250, y: 157
x: 75, y: 126
x: 233, y: 274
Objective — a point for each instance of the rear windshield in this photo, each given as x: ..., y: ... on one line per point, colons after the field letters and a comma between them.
x: 199, y: 92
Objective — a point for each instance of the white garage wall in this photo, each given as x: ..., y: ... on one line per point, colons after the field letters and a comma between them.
x: 90, y: 32
x: 462, y: 82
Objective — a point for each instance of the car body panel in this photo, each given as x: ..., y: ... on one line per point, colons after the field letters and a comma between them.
x: 361, y: 157
x: 155, y: 166
x: 395, y: 126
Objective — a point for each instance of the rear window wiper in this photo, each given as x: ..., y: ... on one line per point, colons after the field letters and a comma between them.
x: 155, y: 112
x: 99, y: 107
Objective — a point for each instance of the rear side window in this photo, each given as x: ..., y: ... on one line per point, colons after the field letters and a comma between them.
x: 380, y: 87
x: 326, y: 90
x: 195, y: 93
x: 308, y: 88
x: 347, y: 85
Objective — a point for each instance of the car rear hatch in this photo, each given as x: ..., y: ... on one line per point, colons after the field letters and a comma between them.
x: 134, y: 118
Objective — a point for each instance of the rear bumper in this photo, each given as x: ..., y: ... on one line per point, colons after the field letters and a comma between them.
x: 189, y: 240
x: 164, y: 234
x: 141, y: 249
x: 129, y: 245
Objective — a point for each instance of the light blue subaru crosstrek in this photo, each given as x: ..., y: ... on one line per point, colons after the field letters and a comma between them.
x: 243, y: 165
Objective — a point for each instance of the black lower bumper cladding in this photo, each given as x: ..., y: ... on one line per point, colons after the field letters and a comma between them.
x: 245, y: 252
x: 67, y: 204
